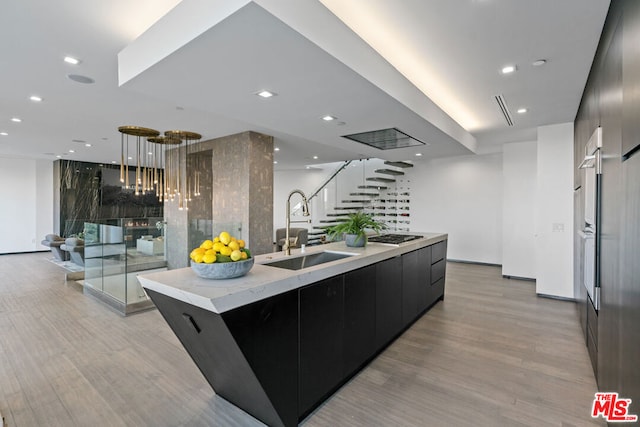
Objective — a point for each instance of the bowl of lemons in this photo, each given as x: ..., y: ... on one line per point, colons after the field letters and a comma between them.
x: 223, y: 257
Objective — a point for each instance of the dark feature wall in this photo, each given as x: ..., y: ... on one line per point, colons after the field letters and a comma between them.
x: 611, y: 99
x: 91, y: 192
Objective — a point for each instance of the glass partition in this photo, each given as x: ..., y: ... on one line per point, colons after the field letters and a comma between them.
x: 116, y: 251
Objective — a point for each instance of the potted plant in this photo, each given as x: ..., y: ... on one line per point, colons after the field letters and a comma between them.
x: 353, y: 228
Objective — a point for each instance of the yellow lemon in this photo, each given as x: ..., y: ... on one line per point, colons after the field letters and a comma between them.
x: 244, y: 255
x: 207, y: 244
x: 195, y: 252
x: 225, y: 237
x: 210, y: 252
x: 241, y: 243
x: 198, y: 257
x: 216, y: 239
x: 209, y: 258
x: 234, y: 245
x: 226, y: 250
x: 217, y: 246
x: 236, y: 255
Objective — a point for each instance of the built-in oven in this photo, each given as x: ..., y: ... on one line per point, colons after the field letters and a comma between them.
x: 589, y: 232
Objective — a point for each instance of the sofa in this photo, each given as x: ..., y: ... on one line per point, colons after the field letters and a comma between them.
x: 53, y: 241
x: 74, y: 246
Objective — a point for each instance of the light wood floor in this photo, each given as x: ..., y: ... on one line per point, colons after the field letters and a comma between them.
x: 491, y: 354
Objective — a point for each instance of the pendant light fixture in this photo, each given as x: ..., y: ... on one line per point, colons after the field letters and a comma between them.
x: 142, y: 161
x: 163, y: 163
x: 186, y: 183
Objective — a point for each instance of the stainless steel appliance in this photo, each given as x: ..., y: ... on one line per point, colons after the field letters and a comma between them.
x: 393, y: 239
x: 592, y: 166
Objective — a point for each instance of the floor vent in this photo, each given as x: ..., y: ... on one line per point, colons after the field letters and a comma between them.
x: 502, y: 103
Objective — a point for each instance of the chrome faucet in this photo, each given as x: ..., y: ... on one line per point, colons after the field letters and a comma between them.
x: 305, y: 212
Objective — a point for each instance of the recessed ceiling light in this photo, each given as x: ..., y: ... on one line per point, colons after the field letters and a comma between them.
x: 87, y: 145
x: 508, y: 69
x: 130, y: 158
x: 71, y: 60
x: 275, y: 162
x: 315, y: 157
x: 150, y: 153
x: 72, y: 151
x: 308, y: 167
x: 16, y: 119
x: 328, y: 118
x: 266, y: 94
x: 4, y: 134
x: 35, y: 98
x: 276, y: 149
x: 59, y: 156
x: 80, y: 79
x: 418, y: 154
x: 522, y: 110
x: 114, y: 162
x: 539, y: 62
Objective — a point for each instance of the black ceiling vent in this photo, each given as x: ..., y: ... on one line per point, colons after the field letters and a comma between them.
x: 502, y: 103
x: 385, y: 139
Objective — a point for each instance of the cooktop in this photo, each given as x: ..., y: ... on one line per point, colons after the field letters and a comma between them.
x: 394, y: 239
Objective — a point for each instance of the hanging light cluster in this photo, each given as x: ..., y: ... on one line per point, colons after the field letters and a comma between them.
x: 187, y: 184
x: 162, y: 163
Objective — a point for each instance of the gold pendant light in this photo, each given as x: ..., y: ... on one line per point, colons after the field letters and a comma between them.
x: 185, y: 178
x: 142, y: 162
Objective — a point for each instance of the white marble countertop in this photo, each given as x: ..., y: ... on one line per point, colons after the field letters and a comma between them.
x: 265, y: 281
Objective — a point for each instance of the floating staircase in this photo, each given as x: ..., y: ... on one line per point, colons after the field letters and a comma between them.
x: 383, y: 194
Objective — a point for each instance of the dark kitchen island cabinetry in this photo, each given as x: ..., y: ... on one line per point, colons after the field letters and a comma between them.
x: 277, y: 342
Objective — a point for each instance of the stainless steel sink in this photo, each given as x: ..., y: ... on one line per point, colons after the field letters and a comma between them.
x: 300, y: 262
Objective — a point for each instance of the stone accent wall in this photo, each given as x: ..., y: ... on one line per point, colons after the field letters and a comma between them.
x: 236, y: 180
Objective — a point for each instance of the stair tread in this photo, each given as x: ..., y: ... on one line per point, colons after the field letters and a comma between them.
x: 389, y: 171
x: 380, y: 179
x: 376, y: 187
x: 364, y: 194
x: 398, y: 164
x: 356, y: 201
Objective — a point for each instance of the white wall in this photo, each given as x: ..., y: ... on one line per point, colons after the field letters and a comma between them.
x: 461, y: 196
x: 554, y: 211
x: 286, y: 181
x: 26, y: 212
x: 519, y: 165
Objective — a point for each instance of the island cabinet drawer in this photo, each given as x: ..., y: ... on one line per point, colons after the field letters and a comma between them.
x: 438, y: 251
x: 437, y: 270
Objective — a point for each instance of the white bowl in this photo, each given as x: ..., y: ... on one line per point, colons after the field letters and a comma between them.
x: 223, y: 270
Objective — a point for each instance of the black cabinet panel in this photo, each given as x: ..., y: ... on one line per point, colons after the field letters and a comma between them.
x: 411, y: 288
x: 438, y: 251
x: 321, y: 328
x: 438, y: 270
x: 217, y: 354
x: 388, y: 300
x: 629, y: 315
x: 267, y: 333
x: 630, y: 73
x: 437, y: 291
x: 416, y: 283
x: 359, y: 318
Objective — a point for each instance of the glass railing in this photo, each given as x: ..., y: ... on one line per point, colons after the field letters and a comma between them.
x: 116, y: 251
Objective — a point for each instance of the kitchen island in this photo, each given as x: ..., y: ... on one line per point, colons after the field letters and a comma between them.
x: 277, y: 342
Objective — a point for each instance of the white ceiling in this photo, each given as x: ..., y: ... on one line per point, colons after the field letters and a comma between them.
x: 428, y: 67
